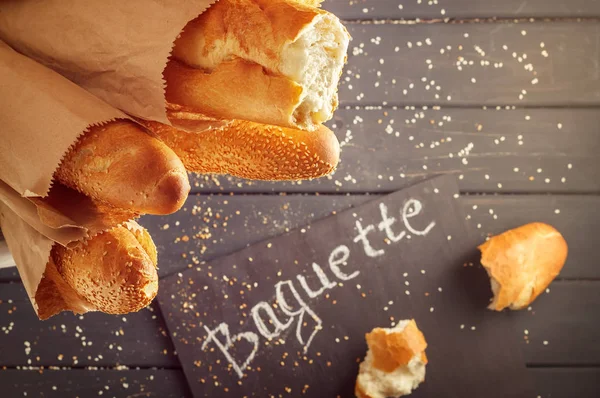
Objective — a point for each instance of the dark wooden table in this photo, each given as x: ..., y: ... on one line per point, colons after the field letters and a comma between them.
x: 504, y: 94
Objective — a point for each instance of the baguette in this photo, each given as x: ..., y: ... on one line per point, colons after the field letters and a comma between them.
x: 114, y: 272
x: 253, y: 151
x: 268, y: 61
x: 119, y: 164
x: 395, y: 362
x: 521, y: 263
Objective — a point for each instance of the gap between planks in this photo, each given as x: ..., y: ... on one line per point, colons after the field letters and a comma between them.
x: 464, y: 21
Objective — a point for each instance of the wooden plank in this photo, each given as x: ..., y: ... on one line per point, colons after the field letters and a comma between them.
x: 575, y: 217
x: 533, y: 64
x: 93, y: 339
x: 84, y: 383
x: 490, y: 150
x: 208, y: 227
x: 428, y: 9
x: 550, y: 383
x: 565, y: 318
x: 211, y: 227
x: 566, y: 383
x: 219, y: 225
x: 562, y: 327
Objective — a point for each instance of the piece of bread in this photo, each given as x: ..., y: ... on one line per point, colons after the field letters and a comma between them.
x: 268, y: 61
x: 114, y: 272
x: 395, y: 362
x: 253, y: 151
x: 521, y: 263
x: 118, y: 163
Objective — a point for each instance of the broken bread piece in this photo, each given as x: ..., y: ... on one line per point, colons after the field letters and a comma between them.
x: 268, y: 61
x: 395, y: 362
x: 521, y: 263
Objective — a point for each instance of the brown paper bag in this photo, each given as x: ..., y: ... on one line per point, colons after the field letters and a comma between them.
x: 43, y: 115
x: 29, y: 248
x: 115, y: 49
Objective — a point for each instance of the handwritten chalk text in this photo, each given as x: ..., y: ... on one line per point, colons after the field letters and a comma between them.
x: 293, y: 309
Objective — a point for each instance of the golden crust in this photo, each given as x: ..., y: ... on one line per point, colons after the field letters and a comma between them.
x: 115, y: 272
x: 392, y: 350
x: 261, y: 27
x: 236, y: 89
x: 231, y: 62
x: 523, y: 261
x: 254, y: 151
x: 118, y: 163
x: 359, y: 392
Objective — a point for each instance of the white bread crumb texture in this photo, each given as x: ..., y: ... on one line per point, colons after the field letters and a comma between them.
x: 401, y: 381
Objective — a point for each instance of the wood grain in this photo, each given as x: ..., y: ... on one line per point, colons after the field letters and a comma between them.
x: 85, y: 383
x: 567, y: 383
x: 562, y: 56
x: 574, y: 216
x: 521, y: 150
x: 94, y: 339
x: 211, y: 227
x: 565, y: 318
x: 550, y: 383
x: 561, y: 330
x: 427, y: 9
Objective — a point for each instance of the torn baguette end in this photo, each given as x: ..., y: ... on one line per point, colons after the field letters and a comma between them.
x: 395, y: 362
x: 275, y: 62
x: 315, y: 61
x: 521, y: 264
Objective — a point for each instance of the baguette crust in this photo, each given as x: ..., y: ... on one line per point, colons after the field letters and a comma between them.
x: 236, y: 89
x: 274, y: 62
x: 118, y: 163
x: 259, y: 28
x: 395, y: 362
x: 522, y: 262
x: 391, y: 350
x: 254, y: 151
x: 115, y: 272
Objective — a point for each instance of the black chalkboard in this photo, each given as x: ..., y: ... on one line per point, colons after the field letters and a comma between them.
x: 316, y: 291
